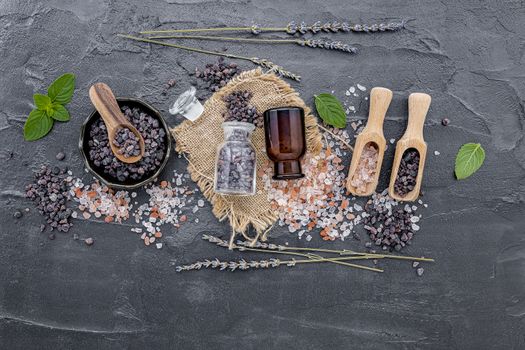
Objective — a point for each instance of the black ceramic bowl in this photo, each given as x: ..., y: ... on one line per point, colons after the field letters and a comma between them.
x: 98, y: 171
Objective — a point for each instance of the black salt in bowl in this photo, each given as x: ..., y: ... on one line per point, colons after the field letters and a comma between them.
x: 98, y: 170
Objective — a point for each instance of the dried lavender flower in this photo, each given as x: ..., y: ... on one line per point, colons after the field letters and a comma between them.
x: 303, y: 28
x: 261, y: 62
x: 334, y: 27
x: 210, y: 73
x: 329, y: 45
x: 381, y: 27
x: 234, y: 265
x: 269, y: 248
x: 316, y: 27
x: 275, y: 68
x: 256, y: 29
x: 291, y: 28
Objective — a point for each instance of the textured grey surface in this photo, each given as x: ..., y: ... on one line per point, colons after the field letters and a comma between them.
x: 469, y: 55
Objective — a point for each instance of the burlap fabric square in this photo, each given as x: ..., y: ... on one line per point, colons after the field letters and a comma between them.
x: 199, y: 141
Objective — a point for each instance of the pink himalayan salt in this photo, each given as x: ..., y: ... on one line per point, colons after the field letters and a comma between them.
x: 366, y: 168
x: 319, y: 199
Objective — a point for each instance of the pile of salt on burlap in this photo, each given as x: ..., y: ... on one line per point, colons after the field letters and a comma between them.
x: 199, y: 141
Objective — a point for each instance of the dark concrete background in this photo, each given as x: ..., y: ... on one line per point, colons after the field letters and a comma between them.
x: 117, y: 294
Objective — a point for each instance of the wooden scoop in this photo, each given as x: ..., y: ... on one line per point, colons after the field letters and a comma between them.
x: 105, y: 103
x: 418, y: 105
x: 373, y: 132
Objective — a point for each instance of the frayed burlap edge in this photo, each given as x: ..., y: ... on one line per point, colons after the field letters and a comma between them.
x: 223, y: 205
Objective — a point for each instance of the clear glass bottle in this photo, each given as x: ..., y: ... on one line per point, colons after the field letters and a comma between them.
x: 236, y: 160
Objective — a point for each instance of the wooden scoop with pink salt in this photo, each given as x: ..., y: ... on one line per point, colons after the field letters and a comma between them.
x: 369, y: 147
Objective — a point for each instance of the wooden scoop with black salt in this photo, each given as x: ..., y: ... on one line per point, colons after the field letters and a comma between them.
x: 411, y: 151
x: 124, y: 139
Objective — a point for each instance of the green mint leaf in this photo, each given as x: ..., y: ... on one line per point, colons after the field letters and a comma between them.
x: 42, y: 102
x: 61, y: 90
x: 469, y: 159
x: 37, y: 125
x: 60, y: 113
x: 330, y: 110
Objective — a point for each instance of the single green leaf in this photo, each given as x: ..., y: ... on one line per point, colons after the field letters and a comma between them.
x: 37, y: 125
x: 42, y: 102
x: 469, y: 159
x: 61, y: 90
x: 330, y: 110
x: 60, y: 113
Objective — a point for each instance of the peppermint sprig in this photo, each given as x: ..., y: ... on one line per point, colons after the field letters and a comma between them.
x: 50, y: 108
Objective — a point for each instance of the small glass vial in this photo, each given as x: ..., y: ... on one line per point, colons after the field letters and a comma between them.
x: 187, y: 105
x: 236, y: 161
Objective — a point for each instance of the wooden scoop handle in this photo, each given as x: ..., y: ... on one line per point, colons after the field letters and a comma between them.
x: 106, y: 104
x: 418, y: 105
x: 380, y: 99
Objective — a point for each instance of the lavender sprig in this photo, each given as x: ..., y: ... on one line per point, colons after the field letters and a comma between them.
x: 293, y: 28
x: 258, y: 61
x: 319, y: 43
x: 334, y: 27
x: 245, y: 246
x: 240, y: 245
x: 329, y: 45
x: 245, y: 265
x: 234, y: 265
x: 272, y: 67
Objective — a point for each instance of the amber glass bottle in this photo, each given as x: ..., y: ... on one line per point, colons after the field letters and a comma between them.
x: 284, y: 130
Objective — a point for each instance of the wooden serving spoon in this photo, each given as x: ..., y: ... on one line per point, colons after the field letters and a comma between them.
x: 373, y: 133
x: 418, y: 105
x: 105, y: 103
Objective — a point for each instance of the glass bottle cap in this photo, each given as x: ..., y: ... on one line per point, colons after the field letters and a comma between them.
x: 187, y: 105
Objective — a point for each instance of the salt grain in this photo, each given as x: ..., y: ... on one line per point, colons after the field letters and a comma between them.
x: 366, y: 169
x: 165, y: 206
x: 101, y: 201
x: 318, y: 200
